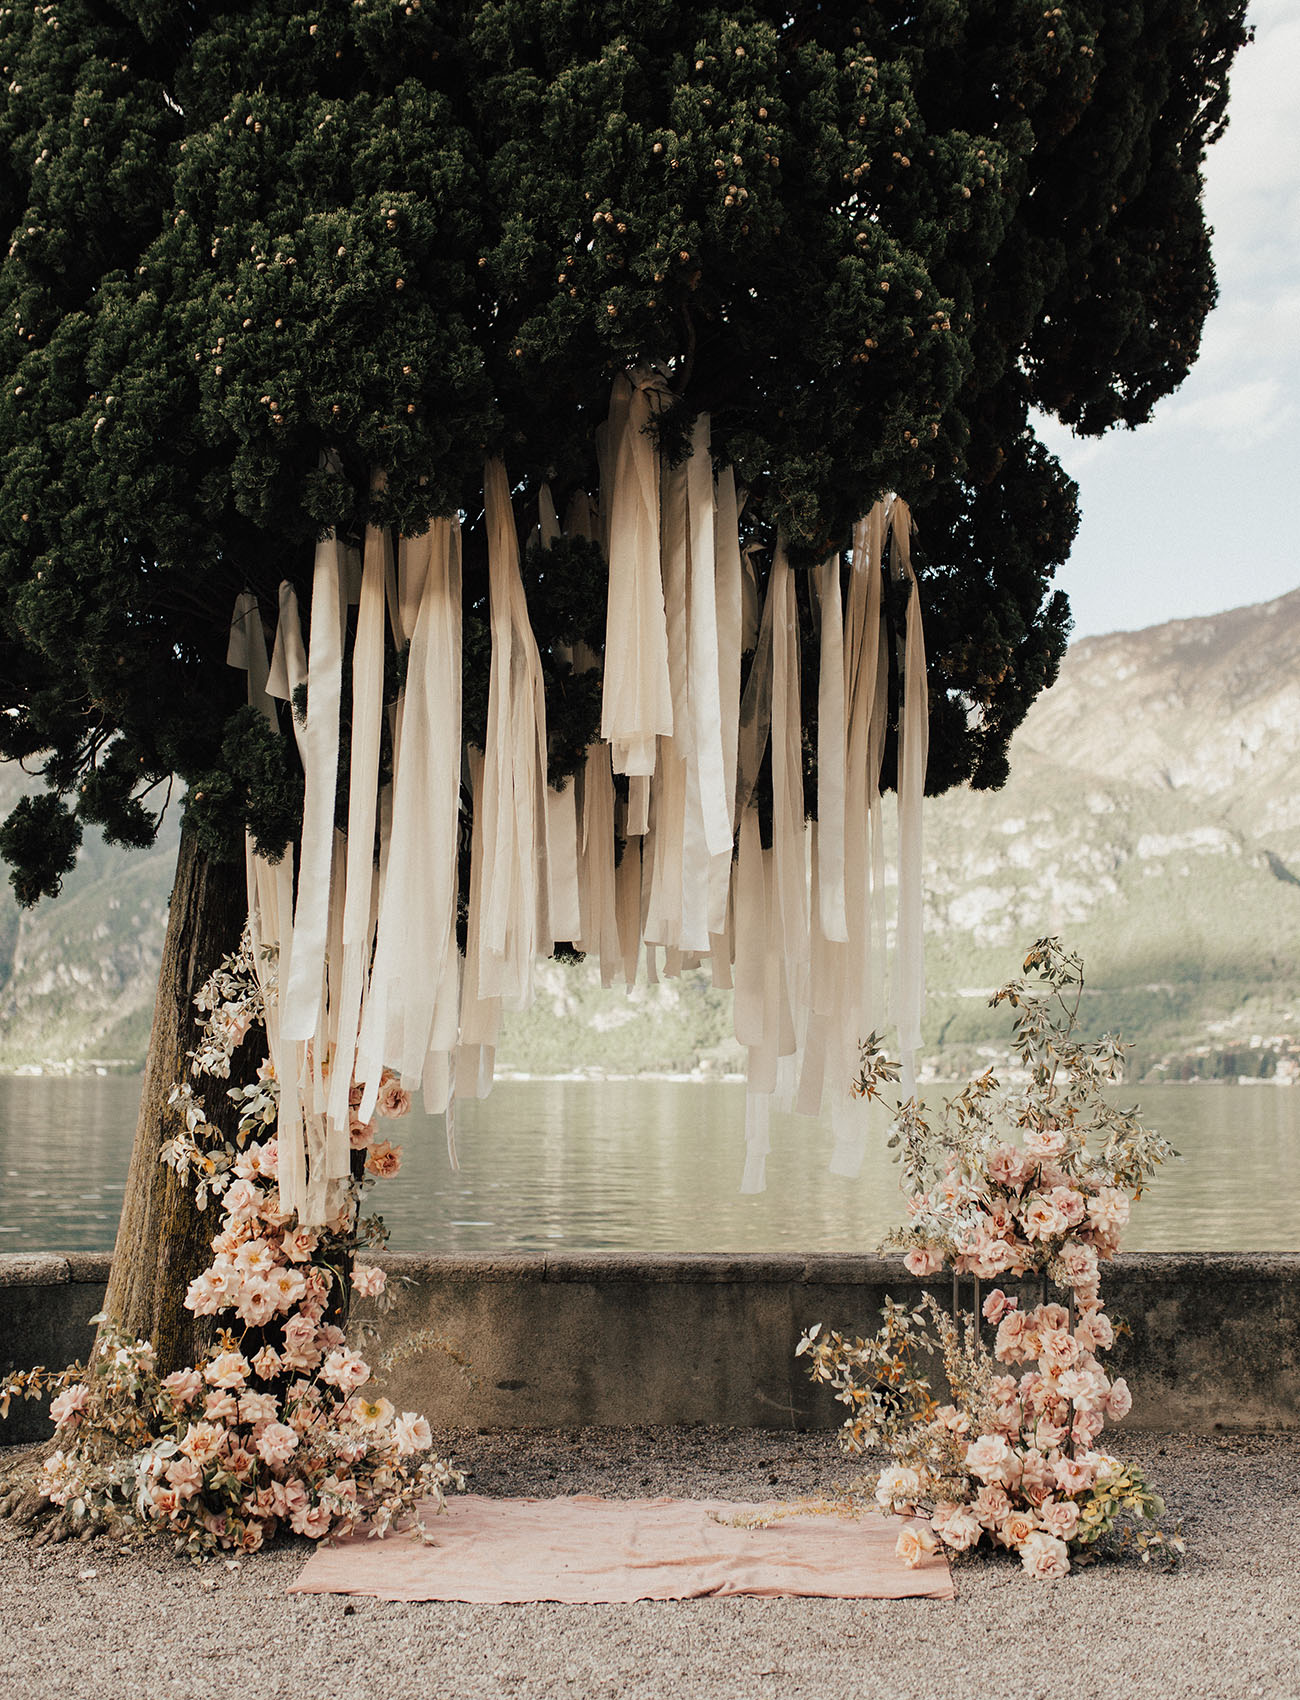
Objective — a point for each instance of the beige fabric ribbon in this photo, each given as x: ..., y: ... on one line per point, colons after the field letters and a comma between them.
x: 637, y: 703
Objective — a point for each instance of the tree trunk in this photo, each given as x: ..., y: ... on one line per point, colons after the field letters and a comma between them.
x: 163, y: 1241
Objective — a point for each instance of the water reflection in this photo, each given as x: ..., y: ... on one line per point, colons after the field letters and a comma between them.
x: 646, y: 1165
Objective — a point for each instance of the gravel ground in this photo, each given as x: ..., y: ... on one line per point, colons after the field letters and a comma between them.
x: 92, y: 1621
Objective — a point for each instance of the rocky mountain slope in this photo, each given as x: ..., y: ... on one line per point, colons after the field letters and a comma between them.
x: 1152, y: 819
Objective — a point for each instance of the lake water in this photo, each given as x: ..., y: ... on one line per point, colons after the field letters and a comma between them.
x: 647, y: 1165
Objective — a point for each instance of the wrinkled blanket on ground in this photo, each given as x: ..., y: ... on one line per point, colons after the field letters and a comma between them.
x: 584, y: 1550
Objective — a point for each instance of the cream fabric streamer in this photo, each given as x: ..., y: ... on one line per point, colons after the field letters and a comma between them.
x: 302, y: 997
x: 363, y: 795
x: 289, y: 663
x: 637, y: 705
x: 913, y: 752
x: 416, y: 961
x: 514, y: 924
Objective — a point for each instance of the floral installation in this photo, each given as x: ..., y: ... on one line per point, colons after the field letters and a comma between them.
x: 274, y: 1428
x: 1023, y: 1185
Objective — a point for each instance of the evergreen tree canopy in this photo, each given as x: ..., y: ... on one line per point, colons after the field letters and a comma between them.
x: 260, y: 250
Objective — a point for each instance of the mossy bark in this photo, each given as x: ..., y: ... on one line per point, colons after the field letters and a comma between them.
x: 163, y: 1240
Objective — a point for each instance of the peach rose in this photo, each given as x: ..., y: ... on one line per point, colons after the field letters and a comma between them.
x: 228, y: 1369
x: 1041, y: 1218
x: 220, y: 1407
x: 360, y: 1133
x: 368, y: 1281
x: 201, y: 1442
x: 1016, y: 1528
x: 915, y: 1543
x: 384, y: 1158
x: 1119, y: 1401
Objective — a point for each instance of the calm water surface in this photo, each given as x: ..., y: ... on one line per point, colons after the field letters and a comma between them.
x: 647, y: 1165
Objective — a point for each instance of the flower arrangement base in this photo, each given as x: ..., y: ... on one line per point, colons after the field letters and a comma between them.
x: 1025, y: 1184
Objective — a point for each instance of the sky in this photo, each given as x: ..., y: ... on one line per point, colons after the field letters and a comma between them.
x: 1199, y: 510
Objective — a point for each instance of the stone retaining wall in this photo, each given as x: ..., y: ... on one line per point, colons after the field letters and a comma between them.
x: 561, y: 1340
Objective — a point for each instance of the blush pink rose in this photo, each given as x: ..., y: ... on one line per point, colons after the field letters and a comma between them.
x: 1119, y: 1401
x: 392, y: 1101
x: 258, y: 1408
x: 368, y: 1281
x: 267, y: 1363
x: 185, y: 1476
x: 1044, y: 1557
x: 991, y: 1458
x: 1045, y: 1141
x: 1073, y: 1474
x: 313, y: 1521
x: 1060, y: 1517
x: 997, y: 1304
x: 1057, y: 1349
x: 412, y: 1433
x: 241, y: 1201
x: 360, y: 1133
x: 1070, y: 1203
x: 276, y: 1444
x: 922, y: 1261
x: 183, y: 1386
x: 992, y: 1505
x: 957, y: 1526
x: 287, y: 1287
x: 300, y: 1244
x: 256, y: 1305
x: 67, y: 1406
x: 201, y: 1442
x: 1006, y: 1167
x: 220, y: 1407
x: 345, y: 1370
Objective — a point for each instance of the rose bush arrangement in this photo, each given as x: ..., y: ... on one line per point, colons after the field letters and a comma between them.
x: 272, y: 1429
x: 1020, y: 1185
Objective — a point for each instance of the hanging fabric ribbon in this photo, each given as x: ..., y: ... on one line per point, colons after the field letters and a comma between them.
x: 416, y: 962
x: 913, y: 751
x: 514, y: 925
x: 637, y: 704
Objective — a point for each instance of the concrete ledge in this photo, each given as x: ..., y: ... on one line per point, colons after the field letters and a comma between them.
x: 571, y: 1339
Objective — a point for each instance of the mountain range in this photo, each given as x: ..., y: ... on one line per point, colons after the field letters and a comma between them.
x: 1151, y: 820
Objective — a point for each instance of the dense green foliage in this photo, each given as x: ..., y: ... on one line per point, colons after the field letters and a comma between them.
x: 261, y: 249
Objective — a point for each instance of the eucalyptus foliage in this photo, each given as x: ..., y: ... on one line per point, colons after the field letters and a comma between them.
x: 257, y: 251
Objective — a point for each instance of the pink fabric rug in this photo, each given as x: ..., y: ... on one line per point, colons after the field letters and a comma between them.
x: 582, y: 1550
